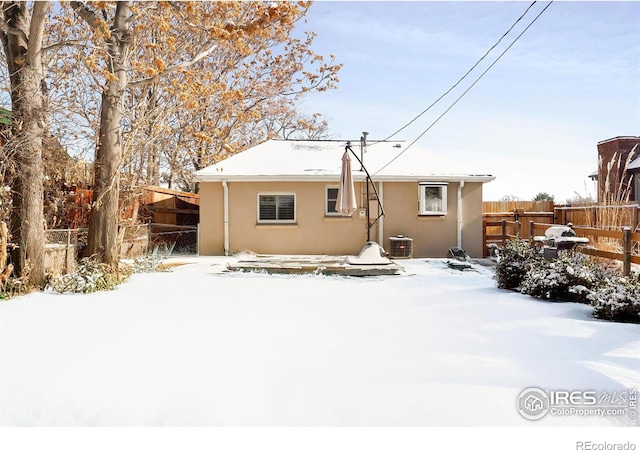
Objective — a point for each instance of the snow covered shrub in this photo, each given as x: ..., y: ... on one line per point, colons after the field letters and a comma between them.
x: 148, y: 264
x: 618, y: 299
x: 13, y: 287
x: 516, y: 258
x: 90, y: 276
x: 571, y: 277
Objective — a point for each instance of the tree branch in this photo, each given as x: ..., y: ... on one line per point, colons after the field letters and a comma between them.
x: 70, y: 43
x: 36, y: 30
x: 86, y: 14
x: 7, y: 29
x: 183, y: 65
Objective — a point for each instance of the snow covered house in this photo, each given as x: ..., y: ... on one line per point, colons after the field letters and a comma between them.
x: 279, y: 197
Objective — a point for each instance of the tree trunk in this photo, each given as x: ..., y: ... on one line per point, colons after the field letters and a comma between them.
x: 23, y: 42
x: 103, y: 218
x: 153, y: 156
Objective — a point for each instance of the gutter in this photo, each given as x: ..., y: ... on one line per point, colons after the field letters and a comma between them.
x: 460, y: 186
x: 357, y: 176
x: 225, y: 201
x: 381, y: 221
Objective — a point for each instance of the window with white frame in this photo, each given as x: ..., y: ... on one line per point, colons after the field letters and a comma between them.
x: 432, y: 199
x: 276, y: 208
x: 331, y: 200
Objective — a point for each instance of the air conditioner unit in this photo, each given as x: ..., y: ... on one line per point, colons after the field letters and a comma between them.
x: 400, y: 247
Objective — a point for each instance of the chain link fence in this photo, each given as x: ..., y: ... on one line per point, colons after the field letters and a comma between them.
x: 167, y: 240
x: 64, y: 247
x: 134, y: 240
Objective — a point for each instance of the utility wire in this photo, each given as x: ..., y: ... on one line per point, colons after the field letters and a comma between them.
x: 467, y: 90
x: 463, y: 77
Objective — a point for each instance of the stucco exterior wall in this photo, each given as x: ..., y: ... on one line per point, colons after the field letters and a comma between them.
x: 472, y: 238
x: 434, y: 235
x: 211, y: 229
x: 315, y: 233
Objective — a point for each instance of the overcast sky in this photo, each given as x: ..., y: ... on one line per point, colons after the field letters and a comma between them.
x: 533, y: 120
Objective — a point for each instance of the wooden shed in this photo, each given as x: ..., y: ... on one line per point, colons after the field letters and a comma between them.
x: 171, y: 207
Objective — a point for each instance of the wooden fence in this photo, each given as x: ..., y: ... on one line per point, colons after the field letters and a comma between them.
x: 625, y: 237
x: 172, y: 207
x: 599, y: 215
x: 501, y: 207
x: 494, y: 213
x: 508, y: 229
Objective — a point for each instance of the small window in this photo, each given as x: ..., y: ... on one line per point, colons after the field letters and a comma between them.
x: 273, y: 208
x: 432, y: 198
x: 331, y: 200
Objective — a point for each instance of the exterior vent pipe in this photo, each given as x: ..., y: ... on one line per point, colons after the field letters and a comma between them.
x: 363, y: 148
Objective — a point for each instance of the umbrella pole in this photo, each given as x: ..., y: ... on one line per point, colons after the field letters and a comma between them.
x: 368, y: 213
x: 368, y: 180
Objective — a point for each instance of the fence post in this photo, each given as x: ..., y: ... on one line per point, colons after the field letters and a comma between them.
x: 531, y: 229
x: 148, y: 239
x: 634, y: 219
x: 503, y: 224
x: 626, y: 245
x: 517, y: 228
x: 66, y: 252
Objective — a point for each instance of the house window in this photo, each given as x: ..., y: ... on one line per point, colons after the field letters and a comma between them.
x: 432, y: 199
x: 276, y: 208
x: 331, y: 200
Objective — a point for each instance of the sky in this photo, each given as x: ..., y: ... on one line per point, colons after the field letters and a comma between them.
x: 533, y: 120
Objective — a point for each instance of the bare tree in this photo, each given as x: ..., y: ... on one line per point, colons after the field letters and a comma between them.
x: 103, y: 219
x: 22, y: 37
x: 195, y: 71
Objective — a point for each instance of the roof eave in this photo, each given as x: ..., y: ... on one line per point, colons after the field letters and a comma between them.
x: 357, y: 176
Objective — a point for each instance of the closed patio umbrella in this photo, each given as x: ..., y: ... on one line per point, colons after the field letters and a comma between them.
x: 346, y: 203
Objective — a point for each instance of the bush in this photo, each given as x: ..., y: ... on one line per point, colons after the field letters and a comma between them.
x: 148, y: 264
x: 90, y: 276
x: 617, y: 299
x: 516, y: 259
x: 12, y: 287
x: 571, y: 277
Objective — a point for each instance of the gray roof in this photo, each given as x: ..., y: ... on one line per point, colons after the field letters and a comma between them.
x: 634, y: 165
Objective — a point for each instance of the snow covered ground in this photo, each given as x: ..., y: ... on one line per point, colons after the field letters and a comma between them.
x: 199, y: 347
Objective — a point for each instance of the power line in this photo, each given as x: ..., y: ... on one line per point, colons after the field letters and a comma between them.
x: 467, y: 90
x: 464, y: 76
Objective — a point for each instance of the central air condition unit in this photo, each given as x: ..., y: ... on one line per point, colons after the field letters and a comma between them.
x: 400, y: 247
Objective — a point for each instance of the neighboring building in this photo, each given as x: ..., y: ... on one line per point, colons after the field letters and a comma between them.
x: 279, y: 197
x: 618, y: 173
x: 170, y: 207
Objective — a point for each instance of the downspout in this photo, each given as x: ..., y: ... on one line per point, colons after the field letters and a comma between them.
x: 381, y: 222
x: 460, y: 186
x: 225, y: 202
